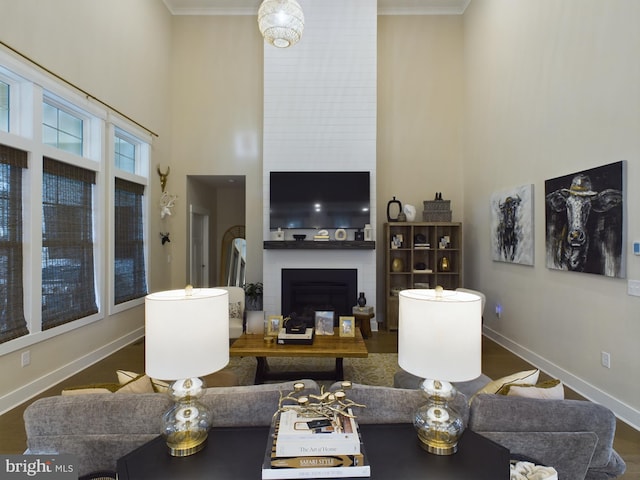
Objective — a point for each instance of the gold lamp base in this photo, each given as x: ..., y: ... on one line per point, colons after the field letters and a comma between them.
x: 183, y: 444
x: 437, y: 447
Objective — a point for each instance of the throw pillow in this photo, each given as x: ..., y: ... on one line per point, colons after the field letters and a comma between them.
x: 527, y: 377
x: 139, y: 384
x: 91, y: 389
x: 550, y: 390
x: 235, y: 309
x: 125, y: 376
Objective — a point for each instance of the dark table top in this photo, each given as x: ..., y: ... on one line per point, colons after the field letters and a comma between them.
x: 392, y: 451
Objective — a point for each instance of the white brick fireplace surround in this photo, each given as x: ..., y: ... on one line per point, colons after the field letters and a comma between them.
x: 320, y: 115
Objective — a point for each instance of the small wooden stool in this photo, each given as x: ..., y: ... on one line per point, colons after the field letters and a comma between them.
x: 363, y: 316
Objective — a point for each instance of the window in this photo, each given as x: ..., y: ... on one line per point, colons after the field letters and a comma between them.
x: 130, y: 274
x: 125, y: 153
x: 68, y: 283
x: 61, y: 129
x: 12, y: 321
x: 73, y: 208
x: 4, y: 106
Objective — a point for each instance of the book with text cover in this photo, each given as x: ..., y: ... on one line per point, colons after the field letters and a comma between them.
x: 299, y: 436
x: 320, y: 466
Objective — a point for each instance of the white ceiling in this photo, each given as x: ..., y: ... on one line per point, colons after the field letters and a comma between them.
x: 250, y: 7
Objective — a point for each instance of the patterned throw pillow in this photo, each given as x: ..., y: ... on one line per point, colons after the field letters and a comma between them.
x: 528, y: 377
x: 235, y: 309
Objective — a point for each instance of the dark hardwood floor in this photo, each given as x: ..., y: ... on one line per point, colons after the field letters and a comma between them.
x: 496, y: 362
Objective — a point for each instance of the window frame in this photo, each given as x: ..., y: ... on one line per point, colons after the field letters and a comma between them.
x: 30, y: 87
x: 136, y: 136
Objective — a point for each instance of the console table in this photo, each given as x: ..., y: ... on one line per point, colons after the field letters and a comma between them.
x: 392, y: 451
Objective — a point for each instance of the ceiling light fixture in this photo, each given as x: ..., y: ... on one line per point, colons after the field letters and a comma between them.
x: 281, y: 22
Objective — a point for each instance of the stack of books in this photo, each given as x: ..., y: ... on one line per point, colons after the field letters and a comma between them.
x: 303, y: 447
x: 304, y: 338
x: 320, y: 238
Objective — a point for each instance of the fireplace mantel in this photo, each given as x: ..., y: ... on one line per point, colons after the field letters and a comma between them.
x: 319, y: 245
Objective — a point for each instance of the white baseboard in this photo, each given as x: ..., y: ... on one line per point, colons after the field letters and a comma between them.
x: 621, y: 410
x: 31, y: 389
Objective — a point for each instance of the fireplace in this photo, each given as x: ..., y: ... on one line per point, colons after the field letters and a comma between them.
x: 305, y: 290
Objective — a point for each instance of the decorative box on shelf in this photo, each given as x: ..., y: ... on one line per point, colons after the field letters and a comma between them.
x: 436, y: 211
x: 366, y: 310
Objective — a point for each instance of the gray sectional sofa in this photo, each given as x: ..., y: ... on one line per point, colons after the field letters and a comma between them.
x: 574, y: 437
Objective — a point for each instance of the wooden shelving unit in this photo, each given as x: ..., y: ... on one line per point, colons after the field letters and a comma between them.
x: 409, y: 246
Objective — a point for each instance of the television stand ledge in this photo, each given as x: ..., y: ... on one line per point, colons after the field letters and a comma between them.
x: 319, y: 245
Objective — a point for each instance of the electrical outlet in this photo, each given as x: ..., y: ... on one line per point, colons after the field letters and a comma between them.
x: 498, y: 310
x: 605, y: 359
x: 26, y: 358
x: 633, y: 288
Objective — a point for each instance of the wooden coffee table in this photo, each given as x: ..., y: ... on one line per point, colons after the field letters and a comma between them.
x: 327, y: 346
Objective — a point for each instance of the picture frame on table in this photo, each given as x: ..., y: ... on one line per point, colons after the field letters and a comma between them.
x: 324, y: 322
x: 347, y: 326
x: 274, y: 324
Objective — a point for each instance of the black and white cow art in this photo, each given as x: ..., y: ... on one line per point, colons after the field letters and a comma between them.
x: 580, y: 237
x: 508, y: 229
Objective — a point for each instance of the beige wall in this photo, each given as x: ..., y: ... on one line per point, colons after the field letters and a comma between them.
x: 420, y: 101
x: 553, y: 87
x: 119, y: 52
x: 217, y: 120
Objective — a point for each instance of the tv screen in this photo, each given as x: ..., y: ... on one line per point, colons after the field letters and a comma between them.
x: 319, y: 200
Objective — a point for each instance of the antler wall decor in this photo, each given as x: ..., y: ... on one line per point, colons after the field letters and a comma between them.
x: 163, y: 177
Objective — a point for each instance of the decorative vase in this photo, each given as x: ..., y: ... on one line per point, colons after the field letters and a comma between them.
x: 362, y: 300
x: 410, y: 212
x: 444, y: 264
x: 393, y: 205
x: 397, y: 265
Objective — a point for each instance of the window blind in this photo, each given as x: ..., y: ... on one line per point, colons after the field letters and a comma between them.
x: 130, y: 276
x: 68, y: 280
x: 12, y: 321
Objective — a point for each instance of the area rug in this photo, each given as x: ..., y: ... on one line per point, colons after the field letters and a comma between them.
x: 376, y: 369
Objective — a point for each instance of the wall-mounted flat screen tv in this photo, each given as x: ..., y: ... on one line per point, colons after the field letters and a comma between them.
x: 319, y: 200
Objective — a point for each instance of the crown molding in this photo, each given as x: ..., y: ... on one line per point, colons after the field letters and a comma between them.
x: 250, y: 7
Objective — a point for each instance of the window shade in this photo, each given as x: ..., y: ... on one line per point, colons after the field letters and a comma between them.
x: 130, y: 276
x: 68, y: 280
x: 12, y: 321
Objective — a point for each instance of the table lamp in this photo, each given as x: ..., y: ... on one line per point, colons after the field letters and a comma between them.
x: 439, y: 339
x: 187, y: 336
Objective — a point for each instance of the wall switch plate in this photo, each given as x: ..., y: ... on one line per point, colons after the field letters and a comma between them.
x: 605, y: 359
x: 26, y: 358
x: 633, y: 288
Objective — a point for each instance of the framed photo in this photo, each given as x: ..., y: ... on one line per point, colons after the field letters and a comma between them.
x: 324, y: 322
x: 274, y: 323
x: 397, y: 240
x: 347, y: 326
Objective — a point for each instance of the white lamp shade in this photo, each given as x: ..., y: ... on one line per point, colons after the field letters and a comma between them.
x: 439, y: 336
x: 186, y: 335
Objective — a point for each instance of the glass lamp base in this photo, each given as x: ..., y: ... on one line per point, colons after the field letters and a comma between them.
x: 441, y: 421
x: 185, y: 426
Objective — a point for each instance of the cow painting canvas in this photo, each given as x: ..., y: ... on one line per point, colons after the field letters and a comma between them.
x: 584, y: 221
x: 512, y: 225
